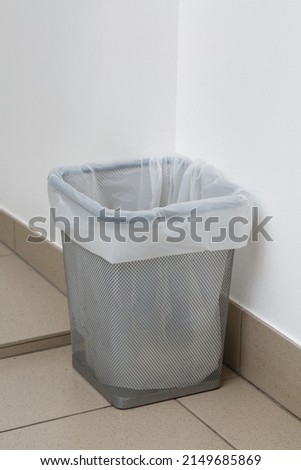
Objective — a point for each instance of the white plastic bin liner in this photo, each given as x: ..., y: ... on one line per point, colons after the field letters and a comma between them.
x: 158, y: 187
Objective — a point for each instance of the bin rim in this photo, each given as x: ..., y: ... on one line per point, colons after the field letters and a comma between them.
x: 56, y: 181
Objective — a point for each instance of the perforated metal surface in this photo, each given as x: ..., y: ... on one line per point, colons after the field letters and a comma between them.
x: 147, y: 326
x: 107, y: 197
x: 137, y: 193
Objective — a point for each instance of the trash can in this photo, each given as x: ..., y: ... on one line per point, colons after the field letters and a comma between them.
x: 148, y: 249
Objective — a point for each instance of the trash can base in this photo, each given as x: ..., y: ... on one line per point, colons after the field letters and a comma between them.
x: 117, y: 395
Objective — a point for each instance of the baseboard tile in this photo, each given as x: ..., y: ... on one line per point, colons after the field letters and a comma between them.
x: 271, y: 362
x: 7, y: 229
x: 233, y: 337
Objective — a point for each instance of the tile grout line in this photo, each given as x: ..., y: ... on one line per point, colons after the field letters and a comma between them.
x: 55, y: 419
x: 206, y: 424
x: 35, y: 340
x: 18, y: 354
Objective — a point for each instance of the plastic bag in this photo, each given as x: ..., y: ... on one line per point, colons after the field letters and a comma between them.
x: 143, y: 209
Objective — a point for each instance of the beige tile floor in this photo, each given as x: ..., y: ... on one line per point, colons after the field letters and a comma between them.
x: 45, y: 404
x: 30, y: 307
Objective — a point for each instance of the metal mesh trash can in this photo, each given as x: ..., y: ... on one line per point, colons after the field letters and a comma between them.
x: 150, y: 327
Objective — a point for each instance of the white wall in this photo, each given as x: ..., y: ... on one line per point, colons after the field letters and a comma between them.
x: 239, y: 106
x: 81, y: 80
x: 92, y: 80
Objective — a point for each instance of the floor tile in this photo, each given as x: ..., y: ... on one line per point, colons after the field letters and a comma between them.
x: 4, y: 250
x: 227, y: 373
x: 42, y: 386
x: 271, y: 362
x: 165, y: 425
x: 30, y: 307
x: 244, y: 416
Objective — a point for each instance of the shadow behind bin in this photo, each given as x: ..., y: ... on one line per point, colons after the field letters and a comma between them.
x: 148, y: 329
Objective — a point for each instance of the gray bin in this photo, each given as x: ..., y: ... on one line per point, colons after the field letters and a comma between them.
x: 145, y: 331
x: 148, y: 329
